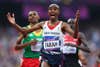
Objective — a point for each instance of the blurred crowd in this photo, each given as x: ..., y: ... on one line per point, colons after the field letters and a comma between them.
x: 89, y: 12
x: 8, y: 57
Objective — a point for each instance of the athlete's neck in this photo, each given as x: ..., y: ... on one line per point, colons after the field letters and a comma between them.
x: 53, y: 21
x: 33, y: 23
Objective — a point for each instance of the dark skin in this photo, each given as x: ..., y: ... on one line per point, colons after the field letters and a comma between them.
x: 82, y: 39
x: 53, y: 13
x: 32, y: 19
x: 20, y: 46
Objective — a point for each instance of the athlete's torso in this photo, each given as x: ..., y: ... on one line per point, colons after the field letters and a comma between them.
x: 71, y: 53
x: 52, y: 37
x: 33, y: 51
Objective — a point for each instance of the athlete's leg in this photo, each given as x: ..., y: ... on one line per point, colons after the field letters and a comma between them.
x: 44, y: 64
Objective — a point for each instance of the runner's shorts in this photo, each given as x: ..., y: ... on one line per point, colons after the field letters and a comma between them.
x: 30, y: 62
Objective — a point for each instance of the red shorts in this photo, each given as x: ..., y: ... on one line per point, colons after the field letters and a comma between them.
x: 98, y: 65
x: 30, y: 62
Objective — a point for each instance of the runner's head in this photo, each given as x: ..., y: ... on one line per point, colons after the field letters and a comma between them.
x: 33, y: 16
x: 53, y: 11
x: 71, y: 22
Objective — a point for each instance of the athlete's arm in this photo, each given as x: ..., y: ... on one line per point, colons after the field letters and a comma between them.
x: 11, y: 19
x: 80, y: 47
x: 35, y: 27
x: 76, y: 24
x: 20, y: 46
x: 83, y: 39
x: 82, y: 58
x: 67, y: 28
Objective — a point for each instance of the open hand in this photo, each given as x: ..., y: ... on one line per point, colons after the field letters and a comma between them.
x: 77, y: 16
x: 78, y: 13
x: 11, y: 18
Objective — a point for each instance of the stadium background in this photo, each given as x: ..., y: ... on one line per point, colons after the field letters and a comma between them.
x: 89, y: 24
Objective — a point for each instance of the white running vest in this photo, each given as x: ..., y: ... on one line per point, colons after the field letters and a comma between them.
x: 52, y: 38
x: 69, y: 49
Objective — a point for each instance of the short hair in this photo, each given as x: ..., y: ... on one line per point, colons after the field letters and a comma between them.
x: 70, y: 20
x: 33, y: 12
x: 55, y: 5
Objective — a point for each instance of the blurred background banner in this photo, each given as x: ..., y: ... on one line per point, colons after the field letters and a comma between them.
x: 89, y: 23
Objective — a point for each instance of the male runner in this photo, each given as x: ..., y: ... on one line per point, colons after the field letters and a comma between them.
x: 52, y: 35
x: 71, y: 53
x: 31, y: 44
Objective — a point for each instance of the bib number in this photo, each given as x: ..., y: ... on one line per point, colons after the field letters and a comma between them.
x: 51, y: 44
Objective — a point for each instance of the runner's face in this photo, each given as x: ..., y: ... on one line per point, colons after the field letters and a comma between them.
x: 53, y: 12
x: 33, y: 17
x: 72, y: 25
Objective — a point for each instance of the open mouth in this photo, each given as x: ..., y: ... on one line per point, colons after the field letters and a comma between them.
x: 52, y: 15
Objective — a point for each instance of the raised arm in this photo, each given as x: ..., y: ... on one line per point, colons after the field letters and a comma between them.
x: 67, y: 28
x: 35, y: 27
x: 11, y: 19
x: 76, y: 24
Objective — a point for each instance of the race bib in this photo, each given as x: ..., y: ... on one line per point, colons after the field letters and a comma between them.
x: 51, y: 44
x: 36, y: 47
x: 69, y: 50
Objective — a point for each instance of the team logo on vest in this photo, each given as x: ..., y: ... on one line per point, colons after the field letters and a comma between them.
x: 54, y: 33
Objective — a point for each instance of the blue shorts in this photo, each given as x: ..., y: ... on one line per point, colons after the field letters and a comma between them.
x: 52, y: 59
